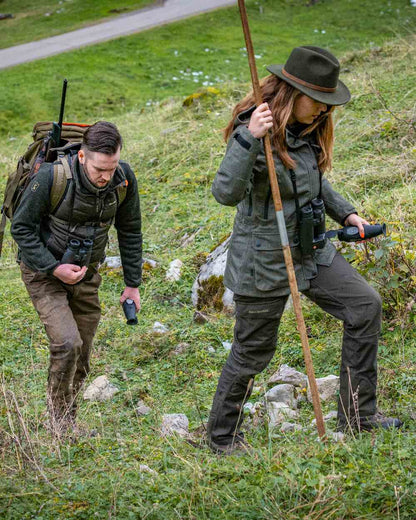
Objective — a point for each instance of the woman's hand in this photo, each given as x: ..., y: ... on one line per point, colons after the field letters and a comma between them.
x: 261, y: 121
x: 355, y: 220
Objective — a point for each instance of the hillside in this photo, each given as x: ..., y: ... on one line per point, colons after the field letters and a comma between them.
x: 175, y: 151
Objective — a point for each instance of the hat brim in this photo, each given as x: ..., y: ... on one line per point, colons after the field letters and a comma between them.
x: 339, y: 97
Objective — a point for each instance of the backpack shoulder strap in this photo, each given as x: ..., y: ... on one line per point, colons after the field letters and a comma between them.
x: 121, y: 189
x: 62, y: 173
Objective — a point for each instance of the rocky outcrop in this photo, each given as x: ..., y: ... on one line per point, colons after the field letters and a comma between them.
x: 208, y: 290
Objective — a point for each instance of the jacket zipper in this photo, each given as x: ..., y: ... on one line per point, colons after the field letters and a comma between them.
x: 266, y: 204
x: 250, y: 204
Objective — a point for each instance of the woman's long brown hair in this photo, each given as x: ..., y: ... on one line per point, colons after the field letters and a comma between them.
x: 281, y: 97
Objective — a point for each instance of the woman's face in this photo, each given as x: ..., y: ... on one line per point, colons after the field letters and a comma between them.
x: 306, y: 110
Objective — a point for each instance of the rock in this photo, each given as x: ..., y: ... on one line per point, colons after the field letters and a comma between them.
x: 329, y: 416
x: 174, y: 272
x: 227, y: 345
x: 282, y: 394
x: 248, y: 407
x: 100, y: 390
x: 142, y: 408
x: 200, y: 318
x: 337, y: 436
x: 211, y: 350
x: 279, y: 413
x: 289, y: 375
x: 145, y: 469
x: 113, y: 262
x: 287, y: 427
x: 208, y: 289
x: 327, y: 388
x: 148, y: 263
x: 180, y: 348
x: 159, y: 328
x: 333, y: 414
x: 175, y: 423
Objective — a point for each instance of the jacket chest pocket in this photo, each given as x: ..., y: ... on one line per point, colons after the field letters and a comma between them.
x: 109, y: 208
x: 269, y: 264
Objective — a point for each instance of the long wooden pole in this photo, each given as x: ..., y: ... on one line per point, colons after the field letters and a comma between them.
x: 282, y: 230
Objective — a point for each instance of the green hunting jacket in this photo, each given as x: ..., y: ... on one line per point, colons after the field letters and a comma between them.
x: 255, y: 263
x: 85, y: 211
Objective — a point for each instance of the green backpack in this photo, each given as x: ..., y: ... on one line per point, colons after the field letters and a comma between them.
x: 28, y: 166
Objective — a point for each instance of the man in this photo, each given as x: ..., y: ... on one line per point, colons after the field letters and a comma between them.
x: 102, y: 191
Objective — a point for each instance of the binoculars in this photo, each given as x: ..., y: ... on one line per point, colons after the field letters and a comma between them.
x: 351, y: 233
x: 78, y: 252
x: 312, y: 226
x: 129, y: 309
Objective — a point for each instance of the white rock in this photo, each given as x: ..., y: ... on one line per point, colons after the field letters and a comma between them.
x: 113, y: 262
x: 214, y: 266
x: 289, y: 375
x: 159, y: 328
x: 227, y: 345
x: 333, y: 414
x: 211, y: 350
x: 145, y: 469
x: 337, y: 436
x: 180, y: 348
x: 174, y: 272
x: 142, y: 408
x: 148, y: 263
x: 100, y: 390
x: 248, y: 407
x: 290, y: 427
x: 175, y: 423
x: 327, y: 388
x: 257, y: 408
x: 280, y: 413
x: 282, y: 394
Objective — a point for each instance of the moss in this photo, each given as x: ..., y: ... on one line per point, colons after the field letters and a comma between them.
x: 210, y: 293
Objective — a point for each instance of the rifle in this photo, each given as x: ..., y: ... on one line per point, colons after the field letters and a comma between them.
x: 57, y: 127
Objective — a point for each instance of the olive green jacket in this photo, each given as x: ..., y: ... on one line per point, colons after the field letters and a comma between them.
x: 255, y: 263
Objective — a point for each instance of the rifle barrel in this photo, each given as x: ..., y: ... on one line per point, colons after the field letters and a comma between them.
x: 61, y: 112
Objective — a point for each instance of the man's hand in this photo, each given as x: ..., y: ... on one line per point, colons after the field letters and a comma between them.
x: 70, y: 273
x: 261, y: 121
x: 355, y: 220
x: 133, y: 294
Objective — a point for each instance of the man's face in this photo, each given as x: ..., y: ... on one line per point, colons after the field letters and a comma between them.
x: 99, y: 167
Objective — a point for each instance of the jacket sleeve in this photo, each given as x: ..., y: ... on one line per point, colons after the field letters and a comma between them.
x: 128, y: 224
x: 335, y: 205
x: 234, y: 174
x: 26, y: 223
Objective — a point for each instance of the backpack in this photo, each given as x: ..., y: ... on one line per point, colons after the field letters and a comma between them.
x: 37, y: 153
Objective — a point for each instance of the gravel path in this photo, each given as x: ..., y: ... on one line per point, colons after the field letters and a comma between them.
x: 170, y: 11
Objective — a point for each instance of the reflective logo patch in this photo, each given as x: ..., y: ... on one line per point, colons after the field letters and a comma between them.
x: 35, y: 186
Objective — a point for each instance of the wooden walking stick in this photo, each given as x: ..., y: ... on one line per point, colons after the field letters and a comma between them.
x: 282, y: 230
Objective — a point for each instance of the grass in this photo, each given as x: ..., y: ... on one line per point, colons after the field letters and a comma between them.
x: 36, y: 20
x: 175, y: 152
x: 131, y: 73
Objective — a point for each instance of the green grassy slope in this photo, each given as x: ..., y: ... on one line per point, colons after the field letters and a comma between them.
x: 34, y: 20
x: 175, y: 152
x: 127, y: 74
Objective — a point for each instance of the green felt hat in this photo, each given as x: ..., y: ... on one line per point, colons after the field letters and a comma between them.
x: 314, y: 71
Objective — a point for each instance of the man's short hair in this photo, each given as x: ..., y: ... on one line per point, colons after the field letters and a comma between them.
x: 102, y: 137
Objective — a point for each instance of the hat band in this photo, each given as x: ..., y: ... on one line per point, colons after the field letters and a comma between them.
x: 306, y: 84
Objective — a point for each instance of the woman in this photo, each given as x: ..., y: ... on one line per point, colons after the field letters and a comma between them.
x: 299, y: 99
